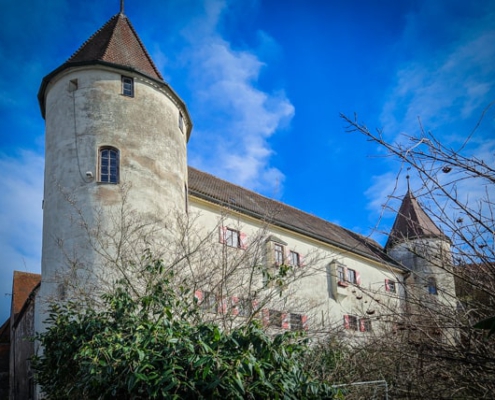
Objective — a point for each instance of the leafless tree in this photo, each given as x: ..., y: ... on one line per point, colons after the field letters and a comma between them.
x: 431, y: 349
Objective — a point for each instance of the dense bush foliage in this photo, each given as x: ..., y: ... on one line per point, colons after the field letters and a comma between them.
x: 154, y: 346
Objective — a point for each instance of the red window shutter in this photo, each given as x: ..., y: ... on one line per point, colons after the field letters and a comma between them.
x: 346, y: 322
x: 285, y: 321
x: 243, y: 238
x: 265, y: 319
x: 198, y: 295
x: 304, y: 320
x: 362, y: 327
x: 358, y: 278
x: 222, y: 233
x: 387, y: 288
x: 235, y: 309
x: 301, y: 260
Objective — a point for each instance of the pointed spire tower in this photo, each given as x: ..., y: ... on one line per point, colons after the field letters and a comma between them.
x: 116, y: 137
x: 419, y: 244
x: 412, y: 223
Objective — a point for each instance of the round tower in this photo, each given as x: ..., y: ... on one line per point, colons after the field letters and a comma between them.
x: 115, y: 154
x: 420, y: 246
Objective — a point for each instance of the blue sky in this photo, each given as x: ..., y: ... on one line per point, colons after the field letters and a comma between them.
x: 264, y: 82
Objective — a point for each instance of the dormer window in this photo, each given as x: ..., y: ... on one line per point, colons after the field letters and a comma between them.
x: 109, y: 165
x: 127, y: 86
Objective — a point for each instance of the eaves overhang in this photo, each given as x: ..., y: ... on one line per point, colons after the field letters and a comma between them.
x: 210, y: 199
x: 68, y: 65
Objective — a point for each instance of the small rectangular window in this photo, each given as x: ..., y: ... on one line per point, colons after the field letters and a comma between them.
x: 278, y: 253
x: 365, y: 325
x: 244, y: 307
x: 351, y: 276
x: 209, y: 302
x: 391, y: 286
x: 295, y: 260
x: 341, y: 274
x: 351, y: 322
x: 127, y: 86
x: 296, y: 322
x: 275, y: 318
x: 181, y: 122
x: 232, y: 238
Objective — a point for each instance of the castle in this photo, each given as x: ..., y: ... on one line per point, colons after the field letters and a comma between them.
x: 116, y: 146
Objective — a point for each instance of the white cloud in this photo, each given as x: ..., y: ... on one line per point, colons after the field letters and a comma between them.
x: 447, y: 87
x: 238, y: 116
x: 20, y: 218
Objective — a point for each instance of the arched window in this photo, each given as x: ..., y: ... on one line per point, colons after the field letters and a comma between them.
x: 432, y: 286
x: 109, y: 165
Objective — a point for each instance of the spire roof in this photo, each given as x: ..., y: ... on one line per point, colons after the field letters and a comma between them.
x: 412, y: 222
x: 117, y: 43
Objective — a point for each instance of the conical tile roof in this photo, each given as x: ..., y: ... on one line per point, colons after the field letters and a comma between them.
x: 412, y: 222
x: 117, y: 42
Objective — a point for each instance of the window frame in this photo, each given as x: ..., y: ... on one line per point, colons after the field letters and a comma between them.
x: 296, y: 322
x: 127, y: 84
x: 107, y: 177
x: 432, y: 286
x: 275, y: 318
x: 390, y: 285
x: 278, y: 254
x: 232, y: 237
x: 181, y: 122
x: 351, y: 276
x: 295, y: 258
x: 351, y: 322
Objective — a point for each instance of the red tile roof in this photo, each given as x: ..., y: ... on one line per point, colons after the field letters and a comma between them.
x: 412, y: 222
x: 22, y: 286
x: 211, y: 188
x: 117, y: 42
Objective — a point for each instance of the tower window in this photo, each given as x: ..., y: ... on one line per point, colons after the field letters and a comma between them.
x: 432, y: 286
x: 127, y: 86
x: 109, y: 165
x: 181, y: 122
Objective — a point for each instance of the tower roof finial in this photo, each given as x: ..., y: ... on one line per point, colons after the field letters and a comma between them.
x: 122, y: 6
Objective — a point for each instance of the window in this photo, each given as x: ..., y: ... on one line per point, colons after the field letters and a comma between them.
x: 354, y: 323
x: 232, y: 237
x: 390, y: 286
x: 181, y: 122
x: 432, y: 286
x: 365, y: 325
x: 341, y: 274
x: 296, y: 322
x: 278, y: 253
x: 109, y: 165
x: 351, y: 322
x: 351, y: 276
x: 127, y: 86
x: 244, y: 307
x: 295, y: 259
x: 275, y: 318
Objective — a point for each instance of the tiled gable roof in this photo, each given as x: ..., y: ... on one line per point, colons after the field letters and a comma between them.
x: 211, y: 188
x: 22, y: 286
x: 117, y: 42
x: 412, y: 222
